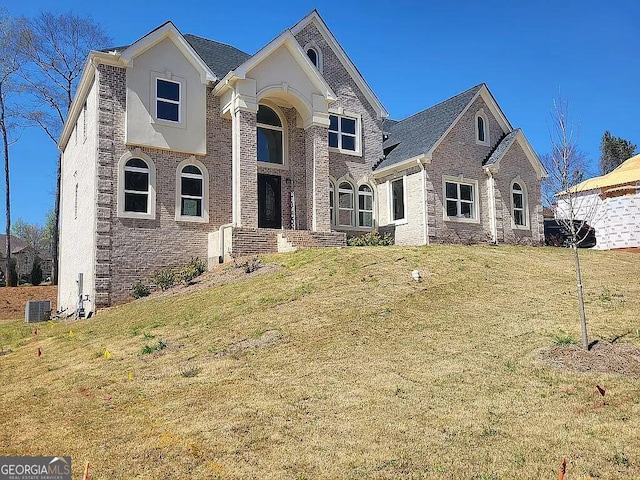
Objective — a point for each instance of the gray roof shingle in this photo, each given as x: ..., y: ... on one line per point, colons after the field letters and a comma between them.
x: 416, y: 134
x: 501, y: 148
x: 219, y: 57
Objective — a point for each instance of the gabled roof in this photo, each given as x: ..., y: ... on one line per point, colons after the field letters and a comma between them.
x: 170, y: 31
x: 626, y: 173
x: 418, y: 134
x: 492, y: 162
x: 501, y: 148
x: 315, y: 18
x: 220, y: 57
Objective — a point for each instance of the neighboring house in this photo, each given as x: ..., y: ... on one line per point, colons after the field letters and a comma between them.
x: 178, y: 146
x: 24, y: 256
x: 609, y: 203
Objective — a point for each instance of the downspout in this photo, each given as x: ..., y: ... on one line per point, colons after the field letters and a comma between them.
x: 221, y: 240
x: 425, y: 216
x: 492, y: 207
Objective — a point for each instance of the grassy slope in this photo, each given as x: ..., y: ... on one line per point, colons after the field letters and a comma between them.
x: 378, y: 376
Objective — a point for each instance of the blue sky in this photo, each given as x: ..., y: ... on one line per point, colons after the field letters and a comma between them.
x: 412, y: 54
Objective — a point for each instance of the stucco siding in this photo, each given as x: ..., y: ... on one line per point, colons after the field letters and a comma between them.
x: 78, y: 210
x: 165, y: 61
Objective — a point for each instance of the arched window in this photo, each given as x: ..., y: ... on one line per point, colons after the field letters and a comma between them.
x: 345, y: 204
x: 482, y: 132
x: 519, y: 210
x: 332, y: 203
x: 136, y: 186
x: 365, y: 206
x: 314, y: 54
x: 192, y: 191
x: 270, y: 136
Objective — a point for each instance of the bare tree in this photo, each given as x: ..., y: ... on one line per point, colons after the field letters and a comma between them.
x: 56, y: 48
x: 573, y: 208
x: 9, y: 66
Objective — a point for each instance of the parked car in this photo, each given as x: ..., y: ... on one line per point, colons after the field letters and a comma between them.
x: 558, y: 234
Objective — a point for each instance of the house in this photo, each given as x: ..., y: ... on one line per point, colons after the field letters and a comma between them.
x: 24, y: 256
x: 177, y: 146
x: 611, y: 204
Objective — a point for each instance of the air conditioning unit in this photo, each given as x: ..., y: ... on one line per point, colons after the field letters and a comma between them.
x: 37, y: 311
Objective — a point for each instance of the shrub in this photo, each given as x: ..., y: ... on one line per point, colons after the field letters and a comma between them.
x: 371, y: 239
x: 251, y: 265
x: 198, y: 265
x: 13, y: 272
x: 139, y: 290
x: 147, y: 349
x: 165, y: 278
x: 36, y: 272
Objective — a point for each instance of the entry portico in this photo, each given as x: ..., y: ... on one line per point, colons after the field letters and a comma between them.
x: 279, y: 107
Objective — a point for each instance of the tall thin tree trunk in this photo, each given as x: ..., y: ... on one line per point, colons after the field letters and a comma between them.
x: 5, y: 139
x: 56, y: 222
x: 583, y: 317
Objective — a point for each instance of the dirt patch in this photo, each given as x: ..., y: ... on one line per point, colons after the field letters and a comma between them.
x: 14, y: 299
x: 267, y: 339
x: 603, y: 357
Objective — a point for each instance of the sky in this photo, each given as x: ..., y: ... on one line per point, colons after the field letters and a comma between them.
x: 412, y: 54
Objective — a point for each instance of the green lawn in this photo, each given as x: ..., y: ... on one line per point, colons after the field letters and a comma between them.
x: 336, y: 364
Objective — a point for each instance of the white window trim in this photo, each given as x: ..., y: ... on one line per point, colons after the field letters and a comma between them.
x: 332, y: 220
x: 313, y: 46
x: 340, y: 112
x: 285, y: 151
x: 205, y: 192
x: 487, y: 141
x: 403, y: 220
x: 476, y: 198
x: 182, y: 94
x: 151, y: 213
x: 353, y: 204
x: 373, y: 210
x: 525, y: 205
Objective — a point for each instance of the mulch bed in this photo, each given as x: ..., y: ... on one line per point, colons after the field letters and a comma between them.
x: 603, y: 357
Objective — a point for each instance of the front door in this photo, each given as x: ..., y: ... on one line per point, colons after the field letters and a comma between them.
x: 269, y: 201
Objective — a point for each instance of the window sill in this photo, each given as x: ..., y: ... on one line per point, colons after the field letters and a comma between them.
x: 353, y: 153
x: 351, y: 228
x: 484, y: 144
x: 137, y: 216
x: 520, y: 227
x: 462, y: 220
x: 187, y: 219
x: 169, y: 123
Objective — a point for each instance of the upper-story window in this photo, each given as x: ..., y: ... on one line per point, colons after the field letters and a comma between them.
x: 270, y: 136
x: 519, y: 205
x: 314, y: 54
x: 344, y: 133
x: 482, y: 131
x: 168, y: 97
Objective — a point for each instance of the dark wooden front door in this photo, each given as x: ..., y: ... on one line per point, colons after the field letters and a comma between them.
x: 269, y: 201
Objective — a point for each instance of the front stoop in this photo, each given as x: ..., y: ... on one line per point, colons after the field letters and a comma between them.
x: 249, y: 241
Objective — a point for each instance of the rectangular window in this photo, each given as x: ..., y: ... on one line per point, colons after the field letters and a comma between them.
x: 167, y: 100
x: 343, y: 133
x: 460, y: 199
x: 397, y: 200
